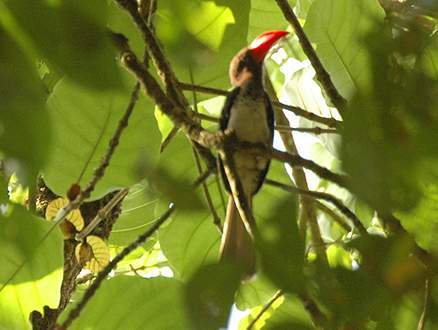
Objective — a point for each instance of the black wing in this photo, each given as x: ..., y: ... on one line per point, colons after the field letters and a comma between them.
x: 223, y: 124
x: 226, y: 110
x: 270, y: 118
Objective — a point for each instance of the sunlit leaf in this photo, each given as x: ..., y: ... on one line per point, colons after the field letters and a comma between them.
x: 21, y: 243
x: 17, y: 301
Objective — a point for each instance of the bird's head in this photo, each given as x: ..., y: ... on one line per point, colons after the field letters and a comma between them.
x: 248, y: 62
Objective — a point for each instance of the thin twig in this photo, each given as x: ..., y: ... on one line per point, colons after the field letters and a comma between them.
x: 216, y: 219
x: 312, y: 130
x: 203, y: 176
x: 74, y: 313
x: 324, y: 196
x: 330, y: 122
x: 168, y: 138
x: 332, y: 214
x: 265, y: 308
x: 321, y: 73
x: 423, y: 318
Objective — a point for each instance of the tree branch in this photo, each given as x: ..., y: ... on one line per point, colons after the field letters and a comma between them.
x: 322, y: 75
x: 330, y: 122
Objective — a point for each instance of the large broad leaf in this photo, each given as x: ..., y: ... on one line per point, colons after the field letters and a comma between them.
x: 210, y: 294
x: 135, y: 303
x: 17, y: 301
x: 25, y: 133
x: 84, y: 122
x: 80, y: 46
x: 190, y: 239
x: 21, y: 244
x: 31, y: 267
x: 337, y: 28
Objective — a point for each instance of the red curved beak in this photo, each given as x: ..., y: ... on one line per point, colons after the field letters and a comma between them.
x: 261, y: 45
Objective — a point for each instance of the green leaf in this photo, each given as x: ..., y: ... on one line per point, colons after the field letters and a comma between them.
x: 390, y: 137
x: 289, y: 315
x: 337, y: 27
x: 25, y: 132
x: 135, y: 303
x: 303, y: 7
x: 203, y: 35
x: 430, y: 59
x: 264, y: 16
x: 370, y: 291
x: 21, y: 246
x: 84, y: 122
x: 174, y: 189
x: 138, y: 213
x: 31, y: 271
x: 190, y: 239
x: 255, y: 292
x: 281, y: 247
x: 17, y: 301
x: 210, y: 294
x: 422, y: 220
x: 284, y: 312
x: 80, y: 46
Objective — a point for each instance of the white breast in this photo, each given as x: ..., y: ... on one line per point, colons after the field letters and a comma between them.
x: 249, y: 121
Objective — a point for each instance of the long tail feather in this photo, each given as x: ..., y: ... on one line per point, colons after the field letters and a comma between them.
x: 236, y: 244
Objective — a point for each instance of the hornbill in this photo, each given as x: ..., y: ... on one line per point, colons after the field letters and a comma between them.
x: 248, y: 112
